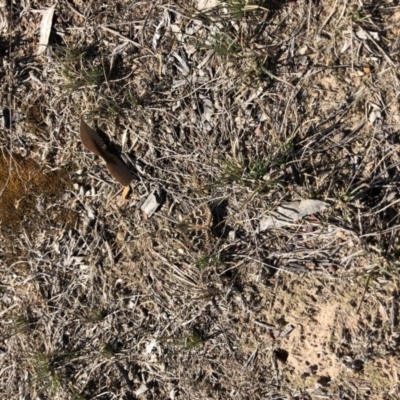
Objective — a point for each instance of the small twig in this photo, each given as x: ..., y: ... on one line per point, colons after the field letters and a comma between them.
x: 264, y: 325
x: 125, y: 375
x: 75, y: 10
x: 363, y: 295
x: 112, y: 31
x: 388, y: 59
x: 144, y: 24
x: 329, y: 18
x: 106, y: 28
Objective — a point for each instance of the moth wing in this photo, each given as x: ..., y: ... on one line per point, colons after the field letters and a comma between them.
x: 120, y: 171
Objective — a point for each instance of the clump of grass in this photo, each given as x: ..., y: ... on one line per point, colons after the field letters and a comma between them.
x: 250, y: 173
x: 359, y: 14
x: 109, y: 107
x: 192, y: 341
x: 97, y: 317
x: 203, y: 263
x: 241, y: 8
x: 256, y: 73
x: 222, y: 41
x: 112, y: 108
x: 132, y: 99
x: 19, y: 325
x: 75, y: 70
x: 185, y: 343
x: 237, y: 9
x: 223, y: 44
x: 89, y: 77
x: 44, y: 373
x: 259, y: 72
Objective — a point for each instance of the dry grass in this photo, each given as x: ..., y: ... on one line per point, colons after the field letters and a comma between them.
x: 243, y: 107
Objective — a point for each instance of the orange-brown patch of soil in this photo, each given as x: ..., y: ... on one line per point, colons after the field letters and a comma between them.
x: 23, y: 183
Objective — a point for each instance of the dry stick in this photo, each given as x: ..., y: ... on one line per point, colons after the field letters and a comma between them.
x: 298, y: 270
x: 112, y: 31
x: 329, y: 18
x: 278, y: 79
x: 125, y: 376
x: 145, y: 23
x: 75, y: 10
x: 363, y: 295
x: 121, y: 36
x: 380, y: 232
x: 382, y: 209
x: 190, y: 17
x: 388, y: 59
x: 192, y: 92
